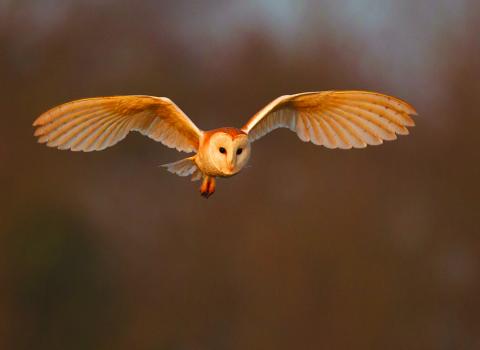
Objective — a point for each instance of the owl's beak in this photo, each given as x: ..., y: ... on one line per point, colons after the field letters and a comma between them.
x: 231, y: 163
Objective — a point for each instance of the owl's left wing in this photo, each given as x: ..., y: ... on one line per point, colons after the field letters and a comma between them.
x: 335, y: 119
x: 94, y: 124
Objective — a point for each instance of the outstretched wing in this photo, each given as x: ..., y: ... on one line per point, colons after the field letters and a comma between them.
x: 94, y: 124
x: 335, y: 119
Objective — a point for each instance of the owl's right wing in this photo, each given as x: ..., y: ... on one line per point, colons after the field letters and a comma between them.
x: 342, y: 119
x: 94, y: 124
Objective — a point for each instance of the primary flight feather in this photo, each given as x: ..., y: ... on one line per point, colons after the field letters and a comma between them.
x: 334, y: 119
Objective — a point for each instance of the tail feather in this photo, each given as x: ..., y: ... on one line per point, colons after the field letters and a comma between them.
x: 184, y: 167
x: 197, y: 175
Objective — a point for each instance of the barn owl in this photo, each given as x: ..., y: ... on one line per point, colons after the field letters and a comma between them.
x: 334, y: 119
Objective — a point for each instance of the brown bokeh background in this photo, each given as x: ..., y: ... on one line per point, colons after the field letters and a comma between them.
x: 308, y: 248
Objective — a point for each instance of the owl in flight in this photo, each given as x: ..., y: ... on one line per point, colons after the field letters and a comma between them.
x: 334, y: 119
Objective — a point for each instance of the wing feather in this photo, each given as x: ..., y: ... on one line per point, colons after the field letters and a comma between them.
x: 97, y: 123
x: 335, y: 119
x: 374, y: 126
x: 330, y: 140
x: 388, y: 126
x: 58, y: 137
x: 342, y: 140
x: 353, y: 135
x: 361, y: 126
x: 83, y: 134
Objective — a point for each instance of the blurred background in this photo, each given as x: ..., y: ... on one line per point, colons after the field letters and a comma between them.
x: 308, y: 248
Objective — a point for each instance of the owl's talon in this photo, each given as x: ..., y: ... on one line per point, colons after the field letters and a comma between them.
x: 208, y: 186
x: 206, y: 194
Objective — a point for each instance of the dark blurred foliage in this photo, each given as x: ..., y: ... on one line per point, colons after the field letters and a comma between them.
x: 308, y: 248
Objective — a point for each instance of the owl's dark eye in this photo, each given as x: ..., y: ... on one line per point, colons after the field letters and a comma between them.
x: 239, y: 151
x: 222, y: 150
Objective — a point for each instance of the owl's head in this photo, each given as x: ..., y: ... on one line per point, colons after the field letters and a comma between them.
x: 228, y: 150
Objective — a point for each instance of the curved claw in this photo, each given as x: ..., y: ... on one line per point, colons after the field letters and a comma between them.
x: 208, y: 186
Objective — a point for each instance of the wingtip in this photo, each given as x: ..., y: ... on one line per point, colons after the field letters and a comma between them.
x: 408, y: 120
x: 38, y: 132
x: 412, y: 111
x: 42, y: 119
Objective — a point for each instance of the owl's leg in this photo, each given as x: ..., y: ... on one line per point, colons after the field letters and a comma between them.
x: 208, y: 186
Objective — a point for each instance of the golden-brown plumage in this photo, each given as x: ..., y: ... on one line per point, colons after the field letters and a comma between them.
x: 94, y: 124
x: 335, y: 119
x: 342, y: 119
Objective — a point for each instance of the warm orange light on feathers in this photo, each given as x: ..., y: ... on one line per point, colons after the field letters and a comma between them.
x: 334, y: 119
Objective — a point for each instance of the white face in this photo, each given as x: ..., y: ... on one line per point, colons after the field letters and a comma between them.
x: 229, y: 155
